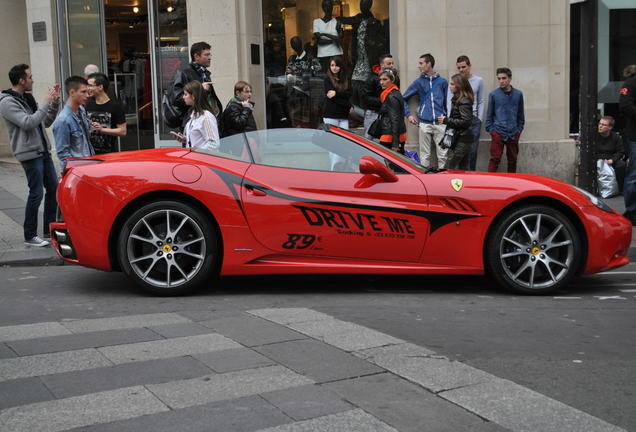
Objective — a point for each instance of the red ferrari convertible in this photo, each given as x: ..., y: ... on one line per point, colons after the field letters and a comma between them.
x: 324, y: 201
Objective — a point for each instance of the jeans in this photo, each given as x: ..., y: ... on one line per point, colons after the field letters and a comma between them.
x: 474, y: 150
x: 629, y: 189
x: 430, y: 135
x: 496, y: 151
x: 40, y: 173
x: 335, y: 159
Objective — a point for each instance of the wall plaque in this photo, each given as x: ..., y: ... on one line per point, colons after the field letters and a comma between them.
x: 39, y: 31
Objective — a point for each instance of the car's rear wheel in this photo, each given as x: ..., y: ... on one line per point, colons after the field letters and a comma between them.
x: 168, y: 247
x: 533, y: 250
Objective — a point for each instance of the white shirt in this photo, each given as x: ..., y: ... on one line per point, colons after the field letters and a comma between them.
x: 329, y: 28
x: 202, y: 131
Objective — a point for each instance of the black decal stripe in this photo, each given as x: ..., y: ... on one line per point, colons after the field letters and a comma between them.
x: 231, y: 180
x: 436, y: 219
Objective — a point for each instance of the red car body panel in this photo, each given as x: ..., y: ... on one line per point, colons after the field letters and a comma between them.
x: 279, y: 220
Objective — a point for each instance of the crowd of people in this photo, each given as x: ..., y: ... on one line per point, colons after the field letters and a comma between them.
x: 449, y: 119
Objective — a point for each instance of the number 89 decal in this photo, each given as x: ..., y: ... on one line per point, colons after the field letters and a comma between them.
x: 299, y: 241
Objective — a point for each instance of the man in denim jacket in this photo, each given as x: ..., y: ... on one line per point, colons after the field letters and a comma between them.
x: 72, y: 127
x: 505, y: 121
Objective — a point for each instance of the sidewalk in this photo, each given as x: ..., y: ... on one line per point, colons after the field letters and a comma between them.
x: 13, y: 194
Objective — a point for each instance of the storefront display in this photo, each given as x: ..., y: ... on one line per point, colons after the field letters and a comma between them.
x: 301, y: 37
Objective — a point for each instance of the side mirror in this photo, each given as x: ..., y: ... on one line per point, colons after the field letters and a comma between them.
x: 370, y: 165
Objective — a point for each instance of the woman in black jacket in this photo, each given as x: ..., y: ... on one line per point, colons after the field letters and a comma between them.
x: 391, y: 114
x: 238, y: 116
x: 337, y: 94
x: 460, y: 119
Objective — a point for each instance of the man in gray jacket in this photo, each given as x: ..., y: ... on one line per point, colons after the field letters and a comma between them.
x: 25, y: 121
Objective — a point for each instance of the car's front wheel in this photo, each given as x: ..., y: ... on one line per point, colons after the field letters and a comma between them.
x: 168, y: 247
x: 533, y: 250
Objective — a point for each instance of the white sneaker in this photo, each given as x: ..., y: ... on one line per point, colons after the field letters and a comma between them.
x: 36, y: 241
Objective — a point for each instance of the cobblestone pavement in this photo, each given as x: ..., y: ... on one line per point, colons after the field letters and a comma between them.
x: 274, y: 369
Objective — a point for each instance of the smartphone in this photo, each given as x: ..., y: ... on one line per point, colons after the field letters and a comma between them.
x: 177, y: 134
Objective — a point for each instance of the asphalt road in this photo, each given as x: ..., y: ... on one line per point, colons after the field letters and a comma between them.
x: 577, y: 347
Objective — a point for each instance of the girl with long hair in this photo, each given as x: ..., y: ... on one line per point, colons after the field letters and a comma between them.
x: 202, y: 129
x: 337, y: 94
x: 460, y: 119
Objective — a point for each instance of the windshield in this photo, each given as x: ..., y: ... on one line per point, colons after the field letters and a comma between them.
x: 400, y: 156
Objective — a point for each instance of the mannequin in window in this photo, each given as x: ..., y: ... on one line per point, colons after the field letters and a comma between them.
x: 301, y: 62
x: 327, y: 33
x: 366, y: 45
x: 300, y: 68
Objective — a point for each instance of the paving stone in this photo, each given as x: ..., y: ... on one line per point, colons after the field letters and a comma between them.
x: 349, y: 421
x: 306, y: 402
x: 251, y: 331
x: 72, y: 342
x: 318, y: 360
x: 404, y: 405
x: 22, y: 392
x: 166, y: 348
x: 239, y: 415
x: 180, y: 330
x: 31, y: 331
x: 435, y: 373
x: 62, y: 414
x: 233, y: 360
x: 10, y: 201
x: 521, y: 409
x: 290, y: 315
x: 392, y: 351
x: 45, y: 364
x: 208, y: 315
x: 125, y: 375
x: 6, y: 352
x: 123, y: 322
x: 213, y: 388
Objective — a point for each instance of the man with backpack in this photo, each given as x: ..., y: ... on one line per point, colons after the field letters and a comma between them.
x: 174, y: 108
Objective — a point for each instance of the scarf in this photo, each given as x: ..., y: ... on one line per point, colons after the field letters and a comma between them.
x: 386, y: 92
x: 204, y: 73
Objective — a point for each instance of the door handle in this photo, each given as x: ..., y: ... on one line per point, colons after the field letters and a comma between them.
x: 254, y: 190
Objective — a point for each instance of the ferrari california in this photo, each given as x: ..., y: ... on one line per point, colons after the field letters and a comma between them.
x: 305, y: 201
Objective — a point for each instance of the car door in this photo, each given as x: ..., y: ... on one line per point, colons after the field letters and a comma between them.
x: 305, y: 195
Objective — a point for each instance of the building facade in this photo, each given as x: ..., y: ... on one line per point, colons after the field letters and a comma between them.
x: 141, y: 43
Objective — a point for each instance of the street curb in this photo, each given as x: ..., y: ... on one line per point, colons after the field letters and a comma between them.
x: 30, y: 258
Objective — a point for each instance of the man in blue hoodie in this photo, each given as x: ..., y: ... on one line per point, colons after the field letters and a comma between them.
x: 431, y: 90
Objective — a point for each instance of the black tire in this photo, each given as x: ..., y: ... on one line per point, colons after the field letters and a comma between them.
x: 168, y: 248
x: 527, y: 260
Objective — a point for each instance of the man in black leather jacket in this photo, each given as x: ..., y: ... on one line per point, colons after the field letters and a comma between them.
x: 201, y: 57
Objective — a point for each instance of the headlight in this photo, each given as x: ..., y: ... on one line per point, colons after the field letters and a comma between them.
x: 595, y: 200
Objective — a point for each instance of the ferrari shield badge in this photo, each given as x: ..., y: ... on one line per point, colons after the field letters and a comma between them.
x: 457, y: 184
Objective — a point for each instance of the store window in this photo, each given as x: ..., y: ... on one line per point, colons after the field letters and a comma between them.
x: 301, y: 37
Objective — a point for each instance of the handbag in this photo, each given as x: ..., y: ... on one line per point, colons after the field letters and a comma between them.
x: 375, y: 130
x: 450, y: 138
x: 412, y: 155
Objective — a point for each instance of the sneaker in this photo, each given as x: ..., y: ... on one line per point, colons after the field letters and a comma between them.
x: 36, y: 241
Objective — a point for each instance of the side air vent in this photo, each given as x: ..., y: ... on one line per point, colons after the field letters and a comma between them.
x: 458, y: 204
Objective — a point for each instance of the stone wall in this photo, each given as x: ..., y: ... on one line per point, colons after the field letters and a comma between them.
x: 14, y: 50
x: 531, y: 38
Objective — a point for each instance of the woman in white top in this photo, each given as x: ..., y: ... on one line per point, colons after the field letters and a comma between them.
x: 202, y: 130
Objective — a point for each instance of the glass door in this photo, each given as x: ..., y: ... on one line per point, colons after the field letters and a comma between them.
x: 171, y: 53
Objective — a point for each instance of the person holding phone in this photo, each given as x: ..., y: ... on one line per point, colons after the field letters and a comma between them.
x: 201, y: 130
